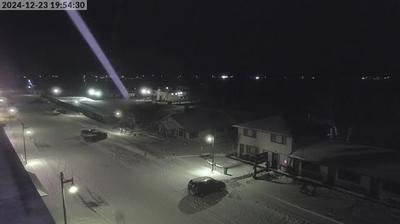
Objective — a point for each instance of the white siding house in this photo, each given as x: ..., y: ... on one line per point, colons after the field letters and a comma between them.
x: 270, y: 136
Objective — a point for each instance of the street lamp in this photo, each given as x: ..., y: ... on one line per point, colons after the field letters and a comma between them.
x: 27, y: 132
x: 91, y: 92
x: 145, y: 91
x: 11, y: 113
x: 72, y: 190
x: 118, y: 114
x: 23, y: 137
x: 210, y: 140
x: 98, y: 93
x: 56, y: 91
x: 95, y: 92
x: 12, y: 110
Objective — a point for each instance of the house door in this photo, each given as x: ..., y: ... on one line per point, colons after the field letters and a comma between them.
x: 275, y: 160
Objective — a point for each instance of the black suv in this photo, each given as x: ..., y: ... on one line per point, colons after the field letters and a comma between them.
x: 202, y: 186
x: 93, y: 135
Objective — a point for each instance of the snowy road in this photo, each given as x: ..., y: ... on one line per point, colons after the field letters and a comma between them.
x: 120, y: 184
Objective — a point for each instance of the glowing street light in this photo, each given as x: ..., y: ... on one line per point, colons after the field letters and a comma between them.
x: 72, y: 190
x: 76, y: 102
x: 95, y: 92
x: 56, y: 91
x: 11, y: 113
x: 12, y: 110
x: 210, y: 140
x: 145, y: 91
x: 28, y: 132
x: 118, y: 114
x: 98, y: 93
x: 91, y: 92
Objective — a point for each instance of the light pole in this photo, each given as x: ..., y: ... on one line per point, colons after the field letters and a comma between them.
x: 11, y: 112
x: 118, y: 116
x: 72, y: 189
x: 23, y: 138
x: 26, y: 132
x: 146, y: 92
x: 210, y: 140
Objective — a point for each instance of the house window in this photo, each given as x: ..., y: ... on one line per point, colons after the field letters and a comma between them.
x: 280, y: 139
x: 249, y: 133
x: 349, y: 176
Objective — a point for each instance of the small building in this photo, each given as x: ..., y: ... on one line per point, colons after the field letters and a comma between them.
x: 270, y: 136
x: 361, y: 169
x: 169, y: 96
x: 195, y: 124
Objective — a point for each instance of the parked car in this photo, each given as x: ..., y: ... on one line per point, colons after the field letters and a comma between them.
x: 203, y: 186
x: 93, y: 135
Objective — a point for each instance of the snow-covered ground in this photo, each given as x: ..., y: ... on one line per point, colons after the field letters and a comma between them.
x: 121, y: 180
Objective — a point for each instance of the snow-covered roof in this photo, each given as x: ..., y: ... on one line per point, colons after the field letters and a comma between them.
x: 200, y: 119
x: 363, y: 159
x: 270, y: 124
x: 334, y: 149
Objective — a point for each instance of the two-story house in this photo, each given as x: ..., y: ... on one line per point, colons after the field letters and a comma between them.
x: 269, y: 135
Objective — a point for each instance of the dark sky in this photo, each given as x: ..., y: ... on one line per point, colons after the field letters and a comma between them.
x: 170, y: 37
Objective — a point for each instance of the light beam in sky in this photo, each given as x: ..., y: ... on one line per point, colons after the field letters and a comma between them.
x: 94, y: 45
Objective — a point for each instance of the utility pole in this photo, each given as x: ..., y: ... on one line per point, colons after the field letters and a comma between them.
x: 210, y: 139
x: 23, y: 138
x: 213, y: 154
x: 62, y: 182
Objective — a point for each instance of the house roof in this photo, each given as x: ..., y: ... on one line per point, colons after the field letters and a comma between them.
x: 201, y: 119
x: 270, y: 124
x: 364, y: 159
x: 329, y: 150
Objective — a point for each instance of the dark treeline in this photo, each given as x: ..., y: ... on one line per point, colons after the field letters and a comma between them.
x: 367, y: 110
